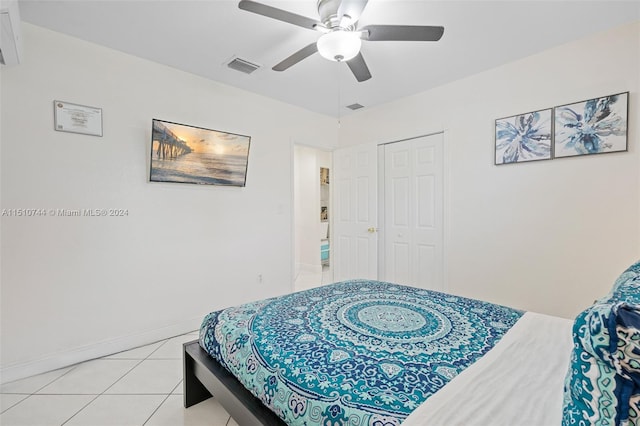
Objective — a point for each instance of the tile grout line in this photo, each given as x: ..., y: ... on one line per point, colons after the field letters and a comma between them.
x: 170, y: 393
x: 105, y: 358
x: 71, y: 368
x: 156, y: 410
x: 158, y: 348
x: 132, y: 368
x: 99, y: 395
x: 29, y: 395
x: 76, y: 413
x: 11, y: 406
x: 163, y: 401
x: 112, y: 384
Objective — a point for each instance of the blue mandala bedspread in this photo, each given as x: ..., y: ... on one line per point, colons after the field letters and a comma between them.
x: 356, y: 352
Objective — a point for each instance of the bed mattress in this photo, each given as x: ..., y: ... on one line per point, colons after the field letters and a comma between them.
x: 519, y: 382
x: 357, y: 352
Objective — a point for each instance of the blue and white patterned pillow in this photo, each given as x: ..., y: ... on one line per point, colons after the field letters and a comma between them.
x: 602, y: 386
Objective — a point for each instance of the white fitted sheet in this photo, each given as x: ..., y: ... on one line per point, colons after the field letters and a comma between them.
x: 518, y: 382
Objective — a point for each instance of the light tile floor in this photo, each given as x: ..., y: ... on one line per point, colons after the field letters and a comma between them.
x: 306, y: 280
x: 139, y: 387
x: 142, y: 386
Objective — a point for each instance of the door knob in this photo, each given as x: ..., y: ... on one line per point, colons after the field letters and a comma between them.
x: 372, y: 230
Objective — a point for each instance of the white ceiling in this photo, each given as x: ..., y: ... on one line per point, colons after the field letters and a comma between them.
x: 201, y: 36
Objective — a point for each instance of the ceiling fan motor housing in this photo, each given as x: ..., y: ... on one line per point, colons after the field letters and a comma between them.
x: 328, y: 11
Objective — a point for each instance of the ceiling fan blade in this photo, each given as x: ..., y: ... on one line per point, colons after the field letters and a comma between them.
x: 359, y: 68
x: 401, y: 33
x: 301, y: 54
x: 279, y: 14
x: 352, y: 8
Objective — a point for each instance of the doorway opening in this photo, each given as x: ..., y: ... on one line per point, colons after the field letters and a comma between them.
x: 312, y: 173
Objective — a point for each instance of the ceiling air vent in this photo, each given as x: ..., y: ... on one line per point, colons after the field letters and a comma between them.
x: 355, y: 106
x: 242, y: 65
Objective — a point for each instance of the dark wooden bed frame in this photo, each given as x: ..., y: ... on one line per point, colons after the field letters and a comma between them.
x: 205, y: 377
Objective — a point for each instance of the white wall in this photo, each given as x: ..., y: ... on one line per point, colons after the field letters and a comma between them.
x: 546, y: 236
x: 79, y: 287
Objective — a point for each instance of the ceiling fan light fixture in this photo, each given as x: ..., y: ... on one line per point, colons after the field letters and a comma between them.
x: 339, y: 45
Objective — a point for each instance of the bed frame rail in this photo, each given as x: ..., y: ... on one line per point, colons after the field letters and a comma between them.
x: 204, y: 377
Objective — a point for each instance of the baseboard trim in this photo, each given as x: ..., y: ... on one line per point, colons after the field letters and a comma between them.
x: 63, y: 359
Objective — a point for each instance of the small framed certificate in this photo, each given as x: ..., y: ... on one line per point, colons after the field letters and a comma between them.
x: 76, y: 118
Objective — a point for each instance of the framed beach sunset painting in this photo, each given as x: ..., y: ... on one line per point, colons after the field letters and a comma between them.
x: 594, y: 126
x: 187, y: 154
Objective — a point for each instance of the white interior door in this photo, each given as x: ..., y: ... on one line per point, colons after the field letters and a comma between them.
x: 355, y: 239
x: 413, y: 212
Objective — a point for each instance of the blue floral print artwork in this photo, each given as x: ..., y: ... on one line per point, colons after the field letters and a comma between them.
x: 524, y: 137
x: 595, y: 126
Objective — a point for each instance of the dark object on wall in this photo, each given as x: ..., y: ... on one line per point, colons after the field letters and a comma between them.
x: 189, y: 154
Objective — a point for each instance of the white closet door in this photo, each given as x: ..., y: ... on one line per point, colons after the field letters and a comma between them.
x: 413, y: 212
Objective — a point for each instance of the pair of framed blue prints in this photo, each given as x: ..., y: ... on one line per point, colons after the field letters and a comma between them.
x: 594, y: 126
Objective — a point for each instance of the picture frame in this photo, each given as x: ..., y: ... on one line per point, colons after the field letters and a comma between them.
x: 524, y: 137
x: 76, y: 118
x: 324, y: 176
x: 182, y: 153
x: 594, y: 126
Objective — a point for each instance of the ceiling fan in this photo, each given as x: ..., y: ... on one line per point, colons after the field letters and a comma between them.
x: 341, y: 39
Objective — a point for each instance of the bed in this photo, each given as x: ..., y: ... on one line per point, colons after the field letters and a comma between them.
x: 372, y: 353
